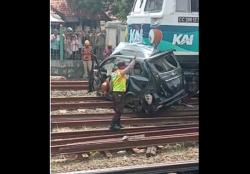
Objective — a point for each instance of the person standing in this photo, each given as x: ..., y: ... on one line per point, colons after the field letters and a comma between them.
x: 100, y: 43
x: 74, y: 46
x: 107, y: 51
x: 87, y: 59
x: 55, y: 45
x: 92, y: 39
x: 67, y: 46
x: 79, y: 38
x: 118, y: 81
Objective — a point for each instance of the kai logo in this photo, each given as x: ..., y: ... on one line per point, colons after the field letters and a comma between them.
x: 181, y: 39
x: 136, y: 35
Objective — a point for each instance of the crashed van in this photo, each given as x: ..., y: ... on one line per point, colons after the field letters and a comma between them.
x: 155, y: 81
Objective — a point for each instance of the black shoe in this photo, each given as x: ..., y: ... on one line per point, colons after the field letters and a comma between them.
x: 114, y: 128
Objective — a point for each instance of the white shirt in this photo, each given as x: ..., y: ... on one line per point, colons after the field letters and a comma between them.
x: 74, y: 45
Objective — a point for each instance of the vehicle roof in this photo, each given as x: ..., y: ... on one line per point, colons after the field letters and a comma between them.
x: 140, y: 50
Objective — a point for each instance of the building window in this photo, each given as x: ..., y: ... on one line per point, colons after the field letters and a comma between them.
x: 153, y: 5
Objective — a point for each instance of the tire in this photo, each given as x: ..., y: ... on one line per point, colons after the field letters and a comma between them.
x: 148, y: 110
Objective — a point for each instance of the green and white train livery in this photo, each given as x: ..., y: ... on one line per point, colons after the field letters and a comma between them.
x: 180, y: 38
x: 168, y: 24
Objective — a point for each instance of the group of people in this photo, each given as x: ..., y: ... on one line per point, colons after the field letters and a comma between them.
x: 73, y: 44
x: 89, y: 59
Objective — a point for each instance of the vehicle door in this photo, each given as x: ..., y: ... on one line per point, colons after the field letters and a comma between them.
x: 167, y: 74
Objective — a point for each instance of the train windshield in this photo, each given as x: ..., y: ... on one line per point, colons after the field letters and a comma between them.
x: 187, y: 6
x: 153, y: 5
x: 138, y: 5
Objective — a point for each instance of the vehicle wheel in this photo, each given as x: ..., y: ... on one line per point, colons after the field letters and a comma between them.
x: 147, y: 109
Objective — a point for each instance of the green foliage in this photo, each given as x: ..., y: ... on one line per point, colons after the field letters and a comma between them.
x: 119, y: 8
x: 92, y: 6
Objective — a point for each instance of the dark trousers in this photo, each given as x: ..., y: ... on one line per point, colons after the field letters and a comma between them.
x: 118, y: 99
x: 74, y: 55
x: 91, y: 80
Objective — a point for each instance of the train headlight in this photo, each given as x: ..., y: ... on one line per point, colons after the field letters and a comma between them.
x: 155, y: 36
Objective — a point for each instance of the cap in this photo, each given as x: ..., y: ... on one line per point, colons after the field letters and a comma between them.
x: 86, y: 42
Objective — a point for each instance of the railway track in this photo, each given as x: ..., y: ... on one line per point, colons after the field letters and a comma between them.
x: 82, y: 105
x: 93, y: 98
x: 66, y: 85
x: 190, y: 112
x: 57, y: 123
x: 99, y: 102
x: 68, y: 137
x: 75, y: 99
x: 100, y: 132
x: 116, y: 141
x: 189, y: 167
x: 178, y: 124
x: 68, y: 82
x: 177, y: 114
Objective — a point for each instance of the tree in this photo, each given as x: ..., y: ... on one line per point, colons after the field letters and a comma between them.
x: 119, y: 8
x: 92, y: 6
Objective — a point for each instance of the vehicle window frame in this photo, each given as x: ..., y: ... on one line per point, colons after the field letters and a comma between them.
x: 190, y: 6
x: 132, y: 72
x: 186, y: 10
x: 106, y: 62
x: 139, y: 9
x: 153, y: 11
x: 165, y: 63
x: 172, y: 56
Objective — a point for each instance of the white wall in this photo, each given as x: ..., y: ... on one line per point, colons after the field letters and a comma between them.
x: 115, y: 30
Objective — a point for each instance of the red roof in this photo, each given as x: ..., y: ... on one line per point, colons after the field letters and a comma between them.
x: 65, y: 7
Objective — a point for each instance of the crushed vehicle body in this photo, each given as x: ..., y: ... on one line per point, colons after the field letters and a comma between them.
x: 155, y: 81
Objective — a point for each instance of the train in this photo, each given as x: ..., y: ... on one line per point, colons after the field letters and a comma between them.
x: 166, y: 25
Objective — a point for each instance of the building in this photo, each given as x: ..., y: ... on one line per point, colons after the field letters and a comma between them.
x: 74, y: 18
x: 55, y: 20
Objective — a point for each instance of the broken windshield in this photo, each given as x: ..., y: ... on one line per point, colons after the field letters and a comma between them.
x: 163, y: 63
